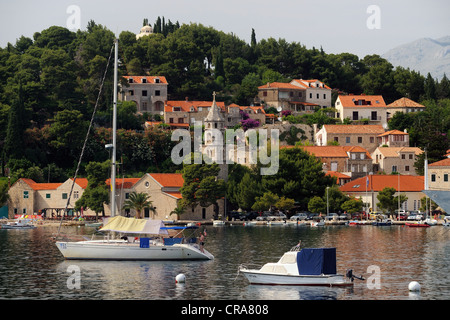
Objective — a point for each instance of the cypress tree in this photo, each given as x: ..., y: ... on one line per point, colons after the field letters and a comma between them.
x: 14, y: 142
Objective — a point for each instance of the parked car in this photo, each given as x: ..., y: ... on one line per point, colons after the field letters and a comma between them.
x: 236, y: 215
x: 299, y: 216
x: 313, y: 216
x: 251, y: 215
x: 264, y: 216
x: 343, y: 216
x: 277, y: 215
x: 332, y: 216
x: 415, y: 215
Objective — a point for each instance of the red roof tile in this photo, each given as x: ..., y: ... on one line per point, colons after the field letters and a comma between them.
x: 149, y: 79
x: 442, y: 163
x: 280, y: 85
x: 355, y: 129
x: 41, y: 186
x: 168, y: 179
x: 379, y: 182
x: 186, y: 105
x: 365, y: 100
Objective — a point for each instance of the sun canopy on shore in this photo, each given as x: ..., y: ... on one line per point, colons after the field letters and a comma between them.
x: 132, y: 225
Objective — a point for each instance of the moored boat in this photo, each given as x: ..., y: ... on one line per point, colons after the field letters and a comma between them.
x: 19, y: 224
x: 153, y: 243
x: 417, y: 225
x: 301, y: 267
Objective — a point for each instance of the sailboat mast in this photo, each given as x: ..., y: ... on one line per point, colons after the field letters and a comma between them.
x: 114, y: 129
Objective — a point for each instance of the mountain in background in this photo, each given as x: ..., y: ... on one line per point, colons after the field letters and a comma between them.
x: 423, y: 55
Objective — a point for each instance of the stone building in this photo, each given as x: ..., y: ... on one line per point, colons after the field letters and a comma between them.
x: 148, y: 92
x: 396, y: 159
x: 438, y: 175
x: 364, y: 136
x: 362, y: 107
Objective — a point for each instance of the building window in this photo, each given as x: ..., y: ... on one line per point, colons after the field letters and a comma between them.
x: 24, y: 210
x: 445, y: 177
x: 406, y: 168
x: 203, y: 213
x: 76, y: 194
x: 157, y: 93
x: 372, y: 139
x: 355, y: 115
x: 410, y: 157
x: 131, y: 92
x: 394, y: 169
x: 403, y: 156
x: 359, y: 139
x: 324, y: 96
x: 171, y: 120
x: 144, y: 105
x: 336, y: 139
x: 144, y: 93
x: 433, y: 178
x: 347, y: 139
x: 317, y: 96
x: 157, y: 80
x: 144, y: 80
x: 180, y: 120
x: 64, y: 195
x: 47, y: 196
x: 25, y: 194
x: 130, y: 80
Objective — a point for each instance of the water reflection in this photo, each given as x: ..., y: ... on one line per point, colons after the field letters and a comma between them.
x: 36, y: 269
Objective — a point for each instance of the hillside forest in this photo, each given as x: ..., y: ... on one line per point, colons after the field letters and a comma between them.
x: 49, y: 86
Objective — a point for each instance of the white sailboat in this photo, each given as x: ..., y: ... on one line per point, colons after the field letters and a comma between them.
x: 140, y: 239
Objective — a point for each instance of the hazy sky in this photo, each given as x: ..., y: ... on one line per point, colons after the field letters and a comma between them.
x: 337, y: 26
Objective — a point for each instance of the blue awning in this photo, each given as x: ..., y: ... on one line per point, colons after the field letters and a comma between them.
x: 316, y: 261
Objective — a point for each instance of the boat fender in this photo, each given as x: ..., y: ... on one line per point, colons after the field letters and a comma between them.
x: 181, y: 278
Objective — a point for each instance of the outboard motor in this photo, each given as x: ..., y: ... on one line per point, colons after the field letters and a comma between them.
x: 349, y: 274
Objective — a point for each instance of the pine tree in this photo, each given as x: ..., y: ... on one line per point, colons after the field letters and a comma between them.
x: 443, y: 88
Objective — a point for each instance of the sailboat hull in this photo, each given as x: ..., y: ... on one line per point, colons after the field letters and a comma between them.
x: 118, y: 250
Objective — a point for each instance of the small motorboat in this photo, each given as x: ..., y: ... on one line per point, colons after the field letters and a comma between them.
x: 275, y: 223
x: 218, y: 223
x: 417, y: 225
x: 301, y: 267
x: 357, y: 223
x: 381, y: 223
x: 19, y: 224
x: 319, y: 223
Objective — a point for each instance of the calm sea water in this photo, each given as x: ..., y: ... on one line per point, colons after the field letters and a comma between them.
x: 31, y: 266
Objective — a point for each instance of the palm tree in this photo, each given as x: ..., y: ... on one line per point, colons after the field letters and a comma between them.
x: 179, y: 210
x: 138, y: 202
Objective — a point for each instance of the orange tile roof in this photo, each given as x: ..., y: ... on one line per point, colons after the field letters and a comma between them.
x: 82, y: 182
x: 441, y: 163
x: 185, y: 105
x: 367, y: 101
x: 396, y: 132
x: 353, y: 129
x: 280, y: 85
x: 125, y: 183
x: 306, y: 83
x: 322, y: 151
x: 41, y: 186
x: 405, y: 102
x: 357, y: 149
x: 150, y: 79
x: 168, y: 179
x: 394, y: 152
x: 379, y: 182
x: 175, y: 194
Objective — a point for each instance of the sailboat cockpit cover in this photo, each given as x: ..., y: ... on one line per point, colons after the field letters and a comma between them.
x: 316, y: 261
x: 132, y: 225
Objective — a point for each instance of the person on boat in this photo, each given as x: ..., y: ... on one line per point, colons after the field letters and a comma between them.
x: 202, y: 241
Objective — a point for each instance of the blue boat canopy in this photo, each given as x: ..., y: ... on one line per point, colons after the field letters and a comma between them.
x: 179, y: 228
x: 316, y: 261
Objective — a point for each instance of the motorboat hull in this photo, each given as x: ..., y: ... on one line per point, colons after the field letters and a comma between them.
x: 122, y: 250
x: 260, y: 278
x: 18, y: 227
